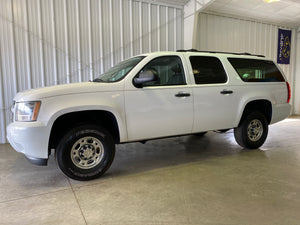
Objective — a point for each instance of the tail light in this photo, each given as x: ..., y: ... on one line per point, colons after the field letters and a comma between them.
x: 289, y: 92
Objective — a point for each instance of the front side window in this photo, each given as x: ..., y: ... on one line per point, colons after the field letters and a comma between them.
x: 169, y: 70
x: 208, y: 70
x: 119, y: 71
x: 255, y: 70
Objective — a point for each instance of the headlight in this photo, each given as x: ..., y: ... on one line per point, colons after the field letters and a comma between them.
x: 27, y: 111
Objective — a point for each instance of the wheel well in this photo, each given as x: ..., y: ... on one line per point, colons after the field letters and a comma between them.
x: 263, y: 106
x: 70, y: 120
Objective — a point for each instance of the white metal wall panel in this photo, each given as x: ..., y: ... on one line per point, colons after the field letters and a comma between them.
x: 179, y: 29
x: 163, y: 27
x: 52, y: 42
x: 228, y: 34
x: 145, y: 27
x: 154, y: 28
x: 126, y: 26
x: 8, y: 63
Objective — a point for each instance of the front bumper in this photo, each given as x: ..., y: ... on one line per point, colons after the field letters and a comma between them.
x: 31, y: 139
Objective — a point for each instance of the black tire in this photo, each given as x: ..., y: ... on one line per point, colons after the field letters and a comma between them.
x: 85, y: 152
x: 253, y: 131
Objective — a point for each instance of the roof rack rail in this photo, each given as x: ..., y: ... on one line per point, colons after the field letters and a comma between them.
x: 233, y: 53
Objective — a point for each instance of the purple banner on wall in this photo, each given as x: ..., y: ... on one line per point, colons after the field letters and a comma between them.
x: 284, y: 46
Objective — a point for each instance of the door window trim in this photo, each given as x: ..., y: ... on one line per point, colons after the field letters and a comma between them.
x: 165, y: 85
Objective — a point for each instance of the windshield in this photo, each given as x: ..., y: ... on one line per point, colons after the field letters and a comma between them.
x: 119, y: 71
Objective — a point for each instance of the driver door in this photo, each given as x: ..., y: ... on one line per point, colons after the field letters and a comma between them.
x: 163, y: 107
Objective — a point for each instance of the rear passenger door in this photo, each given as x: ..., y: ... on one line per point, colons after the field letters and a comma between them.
x: 215, y: 103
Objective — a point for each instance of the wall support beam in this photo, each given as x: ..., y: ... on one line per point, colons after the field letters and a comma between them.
x: 190, y: 20
x: 297, y: 75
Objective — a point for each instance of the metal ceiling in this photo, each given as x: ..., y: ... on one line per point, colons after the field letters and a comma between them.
x: 284, y: 12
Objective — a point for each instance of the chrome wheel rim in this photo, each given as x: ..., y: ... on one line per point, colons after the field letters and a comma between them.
x: 255, y: 130
x: 87, y: 152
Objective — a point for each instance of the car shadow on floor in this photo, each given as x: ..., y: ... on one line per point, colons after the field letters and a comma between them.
x: 137, y: 157
x: 133, y: 158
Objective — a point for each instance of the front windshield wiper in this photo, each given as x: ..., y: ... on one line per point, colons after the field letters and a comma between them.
x: 98, y: 80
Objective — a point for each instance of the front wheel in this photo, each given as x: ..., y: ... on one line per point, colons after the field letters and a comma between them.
x: 252, y: 132
x: 85, y: 152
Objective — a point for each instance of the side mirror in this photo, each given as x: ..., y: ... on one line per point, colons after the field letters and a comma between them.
x: 145, y: 77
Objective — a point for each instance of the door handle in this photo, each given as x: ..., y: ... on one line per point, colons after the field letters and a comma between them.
x: 182, y: 94
x: 224, y: 92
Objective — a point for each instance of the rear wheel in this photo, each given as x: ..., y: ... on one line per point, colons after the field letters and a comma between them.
x: 253, y: 131
x: 85, y: 152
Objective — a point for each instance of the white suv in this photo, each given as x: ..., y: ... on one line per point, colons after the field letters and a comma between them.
x: 149, y: 96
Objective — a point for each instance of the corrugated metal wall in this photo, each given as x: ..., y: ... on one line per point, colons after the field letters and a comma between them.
x: 50, y: 42
x: 224, y: 33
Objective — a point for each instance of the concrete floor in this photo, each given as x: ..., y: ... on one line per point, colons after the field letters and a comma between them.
x: 184, y: 180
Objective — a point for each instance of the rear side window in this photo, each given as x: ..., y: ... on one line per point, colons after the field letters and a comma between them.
x: 208, y: 70
x: 255, y: 70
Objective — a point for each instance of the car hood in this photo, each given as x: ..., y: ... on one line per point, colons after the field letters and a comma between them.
x: 66, y: 89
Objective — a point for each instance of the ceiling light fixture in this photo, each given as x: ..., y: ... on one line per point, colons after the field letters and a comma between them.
x: 270, y: 1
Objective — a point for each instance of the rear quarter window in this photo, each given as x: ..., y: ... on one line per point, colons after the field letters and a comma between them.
x: 255, y: 70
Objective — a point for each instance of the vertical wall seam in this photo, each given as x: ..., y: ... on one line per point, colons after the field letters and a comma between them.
x: 121, y: 30
x: 41, y: 46
x: 131, y: 27
x: 158, y: 27
x: 111, y: 33
x: 27, y: 43
x: 254, y: 36
x: 78, y: 41
x: 259, y: 30
x: 90, y: 33
x: 66, y: 41
x: 101, y: 36
x: 3, y: 106
x: 270, y: 52
x: 274, y: 55
x: 266, y: 41
x: 167, y: 28
x: 150, y: 26
x: 182, y: 27
x: 54, y: 44
x: 175, y: 30
x: 239, y: 28
x: 14, y: 57
x: 140, y: 28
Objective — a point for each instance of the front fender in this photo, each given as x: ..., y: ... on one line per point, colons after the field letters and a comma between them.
x: 53, y: 108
